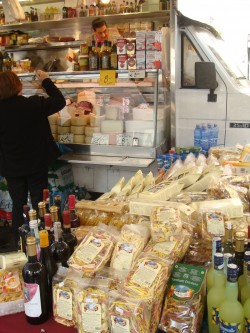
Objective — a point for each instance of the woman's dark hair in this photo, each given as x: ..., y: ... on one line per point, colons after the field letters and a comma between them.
x: 10, y: 85
x: 98, y: 22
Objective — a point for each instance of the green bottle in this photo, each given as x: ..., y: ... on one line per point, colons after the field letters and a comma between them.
x: 246, y: 308
x: 216, y: 247
x: 231, y: 310
x: 245, y: 291
x: 242, y: 280
x: 216, y: 294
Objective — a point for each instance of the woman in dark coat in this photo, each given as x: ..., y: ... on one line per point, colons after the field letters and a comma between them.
x: 27, y: 146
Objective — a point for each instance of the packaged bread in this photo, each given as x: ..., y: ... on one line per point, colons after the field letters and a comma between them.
x: 165, y: 223
x: 130, y: 313
x: 11, y: 285
x: 92, y: 309
x: 129, y: 245
x: 148, y: 277
x: 94, y: 251
x: 184, y: 304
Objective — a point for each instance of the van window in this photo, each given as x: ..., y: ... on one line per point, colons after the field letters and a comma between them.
x: 189, y: 58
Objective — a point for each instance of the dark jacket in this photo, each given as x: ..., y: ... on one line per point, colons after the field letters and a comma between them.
x: 26, y: 143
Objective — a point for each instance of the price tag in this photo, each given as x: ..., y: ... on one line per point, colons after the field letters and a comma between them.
x: 66, y: 138
x: 124, y: 140
x: 107, y: 77
x: 100, y: 139
x: 136, y: 74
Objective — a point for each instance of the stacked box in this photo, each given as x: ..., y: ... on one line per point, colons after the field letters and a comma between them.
x: 153, y: 49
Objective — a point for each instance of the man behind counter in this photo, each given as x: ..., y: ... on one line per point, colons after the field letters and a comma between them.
x: 101, y: 30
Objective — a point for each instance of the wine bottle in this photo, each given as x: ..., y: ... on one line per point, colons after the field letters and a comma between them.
x: 231, y: 311
x: 60, y: 249
x: 68, y: 237
x: 41, y: 213
x: 46, y: 199
x: 34, y: 231
x: 216, y: 294
x: 228, y: 240
x: 35, y: 286
x: 49, y: 227
x: 228, y: 259
x: 58, y: 204
x: 74, y: 219
x: 216, y: 247
x: 242, y: 280
x: 48, y: 261
x: 248, y: 236
x: 24, y: 229
x: 239, y: 250
x: 54, y: 214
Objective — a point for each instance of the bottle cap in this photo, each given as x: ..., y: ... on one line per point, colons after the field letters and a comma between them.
x: 32, y: 214
x: 53, y: 209
x: 33, y: 224
x: 41, y: 204
x: 247, y: 256
x: 45, y: 194
x: 72, y: 201
x: 218, y: 261
x: 48, y: 220
x: 44, y: 238
x: 232, y: 273
x: 66, y: 219
x: 31, y: 240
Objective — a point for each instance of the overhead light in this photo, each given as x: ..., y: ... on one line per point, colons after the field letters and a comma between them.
x: 105, y: 2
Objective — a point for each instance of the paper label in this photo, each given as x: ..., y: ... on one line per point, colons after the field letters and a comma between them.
x: 164, y: 247
x: 32, y: 300
x: 100, y: 139
x: 146, y: 273
x: 64, y: 304
x: 226, y: 327
x: 120, y: 325
x: 91, y: 317
x: 215, y: 223
x: 124, y: 256
x: 90, y: 249
x: 107, y: 77
x: 215, y: 316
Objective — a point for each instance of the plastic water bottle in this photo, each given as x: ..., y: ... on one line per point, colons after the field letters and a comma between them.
x: 204, y: 137
x: 210, y: 135
x: 215, y: 134
x: 197, y: 135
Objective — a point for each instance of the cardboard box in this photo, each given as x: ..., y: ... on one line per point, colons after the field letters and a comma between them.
x: 153, y: 59
x: 61, y: 174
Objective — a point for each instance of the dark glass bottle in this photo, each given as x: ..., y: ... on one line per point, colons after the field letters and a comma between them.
x: 68, y: 237
x: 93, y: 58
x: 239, y: 251
x: 49, y: 227
x: 105, y: 57
x: 35, y: 286
x: 41, y: 213
x: 54, y: 214
x: 24, y: 229
x: 74, y: 219
x: 48, y: 261
x: 58, y: 204
x: 34, y: 230
x: 46, y: 199
x: 113, y: 57
x: 60, y: 249
x: 228, y: 239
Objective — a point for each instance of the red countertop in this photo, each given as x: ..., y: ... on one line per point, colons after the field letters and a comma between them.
x: 16, y: 323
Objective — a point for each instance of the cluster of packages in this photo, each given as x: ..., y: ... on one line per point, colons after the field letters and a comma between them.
x: 152, y: 238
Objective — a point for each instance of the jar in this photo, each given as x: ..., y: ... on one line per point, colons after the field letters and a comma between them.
x: 83, y: 61
x: 84, y: 48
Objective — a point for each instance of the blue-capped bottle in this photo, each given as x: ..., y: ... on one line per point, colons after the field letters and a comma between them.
x: 216, y: 294
x: 215, y: 135
x: 197, y: 135
x: 231, y: 310
x: 210, y: 135
x: 216, y: 248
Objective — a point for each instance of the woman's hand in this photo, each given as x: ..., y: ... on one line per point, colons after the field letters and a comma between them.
x: 41, y: 75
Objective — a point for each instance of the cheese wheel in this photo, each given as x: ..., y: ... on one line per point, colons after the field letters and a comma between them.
x: 90, y: 130
x: 112, y: 112
x: 88, y: 139
x: 95, y: 121
x: 53, y: 128
x: 79, y: 121
x: 63, y: 121
x: 79, y: 138
x: 77, y: 129
x: 63, y: 129
x: 53, y: 119
x: 112, y: 126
